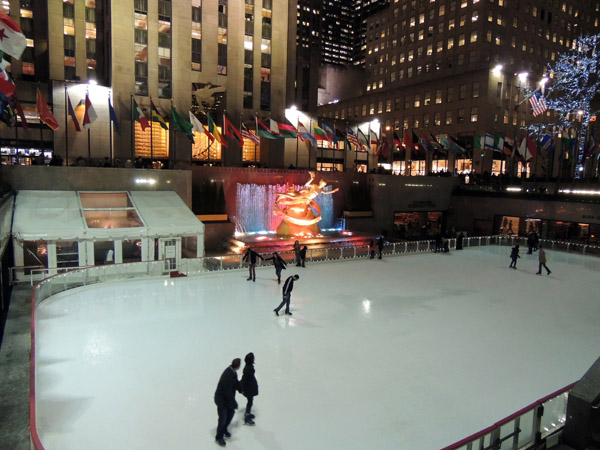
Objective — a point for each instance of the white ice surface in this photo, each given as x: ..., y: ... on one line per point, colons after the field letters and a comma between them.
x: 412, y: 352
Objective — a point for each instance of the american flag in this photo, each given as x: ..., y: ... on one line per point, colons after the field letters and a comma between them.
x: 538, y: 103
x: 352, y: 138
x: 247, y: 134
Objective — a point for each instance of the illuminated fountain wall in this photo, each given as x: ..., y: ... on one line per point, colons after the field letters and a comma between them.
x: 255, y: 203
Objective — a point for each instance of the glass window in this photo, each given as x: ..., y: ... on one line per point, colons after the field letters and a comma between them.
x: 35, y: 253
x: 104, y: 252
x: 189, y: 246
x: 67, y: 254
x: 132, y: 250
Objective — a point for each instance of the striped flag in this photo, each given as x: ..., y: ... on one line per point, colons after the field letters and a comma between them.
x: 538, y: 103
x: 90, y: 115
x: 72, y: 114
x: 249, y: 134
x: 352, y: 138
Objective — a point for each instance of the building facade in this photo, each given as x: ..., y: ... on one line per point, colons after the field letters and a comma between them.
x: 208, y: 57
x: 458, y: 68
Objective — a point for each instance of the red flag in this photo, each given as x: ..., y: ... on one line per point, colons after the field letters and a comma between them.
x: 231, y: 131
x: 12, y: 39
x: 408, y: 142
x: 90, y: 113
x: 44, y: 112
x: 397, y: 141
x: 20, y: 111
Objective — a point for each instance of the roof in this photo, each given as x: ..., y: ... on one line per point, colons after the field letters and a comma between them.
x: 59, y: 215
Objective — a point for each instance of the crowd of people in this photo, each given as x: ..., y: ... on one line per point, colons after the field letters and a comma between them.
x: 533, y: 246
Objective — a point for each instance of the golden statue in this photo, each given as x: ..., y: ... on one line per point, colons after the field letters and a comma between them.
x: 299, y: 211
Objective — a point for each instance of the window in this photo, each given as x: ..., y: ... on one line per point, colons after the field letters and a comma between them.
x: 474, y: 111
x: 448, y: 117
x: 473, y: 36
x: 460, y: 117
x: 462, y: 91
x: 438, y: 96
x: 417, y: 102
x: 475, y: 90
x: 450, y: 94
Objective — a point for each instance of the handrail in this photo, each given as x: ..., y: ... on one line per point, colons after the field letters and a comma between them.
x: 510, y: 418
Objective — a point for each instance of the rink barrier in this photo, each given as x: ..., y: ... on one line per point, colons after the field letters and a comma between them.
x: 538, y: 423
x: 84, y: 276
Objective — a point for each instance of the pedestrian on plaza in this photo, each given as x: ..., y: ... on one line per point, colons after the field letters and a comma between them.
x: 303, y: 255
x: 250, y: 256
x: 514, y: 254
x: 372, y: 249
x: 279, y: 265
x: 459, y: 241
x: 297, y: 253
x: 380, y: 246
x: 249, y: 387
x: 542, y: 261
x: 225, y: 400
x: 438, y: 242
x: 536, y: 241
x: 287, y: 294
x: 530, y: 243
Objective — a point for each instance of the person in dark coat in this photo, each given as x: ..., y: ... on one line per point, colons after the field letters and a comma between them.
x: 438, y: 242
x: 380, y: 246
x: 536, y: 241
x: 372, y: 249
x: 249, y: 387
x: 251, y: 256
x: 459, y: 241
x: 225, y: 400
x: 279, y: 265
x: 542, y: 261
x: 297, y: 253
x: 303, y: 255
x: 514, y: 254
x: 530, y: 243
x: 287, y: 294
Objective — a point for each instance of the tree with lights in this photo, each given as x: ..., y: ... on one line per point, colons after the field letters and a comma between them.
x: 573, y: 90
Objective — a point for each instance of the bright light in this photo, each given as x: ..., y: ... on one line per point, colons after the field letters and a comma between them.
x: 293, y: 107
x: 543, y: 81
x: 578, y: 191
x: 375, y: 121
x: 580, y: 113
x: 145, y: 181
x: 497, y: 71
x: 92, y: 82
x: 514, y: 189
x: 523, y: 76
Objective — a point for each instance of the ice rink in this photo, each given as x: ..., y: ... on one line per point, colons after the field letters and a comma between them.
x: 412, y: 352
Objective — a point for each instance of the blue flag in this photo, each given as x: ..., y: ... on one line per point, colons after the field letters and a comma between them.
x: 113, y: 117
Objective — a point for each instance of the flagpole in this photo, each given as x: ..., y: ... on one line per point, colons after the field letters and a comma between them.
x: 66, y: 130
x: 89, y: 127
x: 110, y: 136
x: 131, y: 129
x: 151, y: 133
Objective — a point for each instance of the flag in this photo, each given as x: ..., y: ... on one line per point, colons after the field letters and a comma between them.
x: 232, y: 132
x: 72, y: 113
x: 397, y: 141
x: 274, y: 128
x: 44, y: 112
x: 90, y: 115
x: 339, y: 134
x: 477, y: 142
x: 408, y: 142
x: 330, y: 133
x: 527, y: 149
x: 320, y: 134
x: 249, y: 134
x: 352, y: 138
x: 287, y: 131
x: 373, y: 139
x: 264, y: 131
x: 156, y: 117
x: 488, y: 141
x: 12, y: 39
x: 425, y: 143
x: 362, y: 139
x: 546, y: 142
x: 7, y: 115
x: 302, y: 131
x: 538, y: 103
x: 214, y: 131
x: 498, y: 143
x: 7, y: 86
x: 449, y: 143
x: 139, y: 116
x: 200, y: 128
x: 434, y: 142
x: 383, y: 149
x: 20, y: 112
x: 113, y: 117
x: 509, y: 144
x: 181, y: 124
x: 592, y: 144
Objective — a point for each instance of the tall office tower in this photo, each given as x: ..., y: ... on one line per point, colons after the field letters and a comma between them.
x: 363, y: 9
x: 205, y: 56
x: 456, y: 67
x: 339, y: 19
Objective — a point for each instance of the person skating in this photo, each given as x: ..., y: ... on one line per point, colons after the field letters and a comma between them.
x: 303, y: 255
x: 225, y: 400
x: 514, y: 254
x: 380, y: 246
x: 530, y: 243
x: 372, y: 249
x: 251, y: 256
x: 542, y: 261
x: 279, y: 265
x: 287, y: 294
x: 297, y: 253
x: 249, y: 387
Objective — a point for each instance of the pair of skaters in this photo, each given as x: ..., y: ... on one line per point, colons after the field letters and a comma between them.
x: 514, y: 255
x: 251, y: 256
x: 225, y: 396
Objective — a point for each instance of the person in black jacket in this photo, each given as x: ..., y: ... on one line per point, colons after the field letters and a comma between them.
x: 380, y: 246
x: 279, y: 265
x: 225, y: 400
x: 514, y: 254
x: 249, y: 387
x: 303, y: 255
x: 251, y: 256
x: 287, y: 293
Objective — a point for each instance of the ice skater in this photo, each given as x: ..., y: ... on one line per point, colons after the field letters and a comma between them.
x: 297, y: 253
x: 279, y: 265
x: 225, y: 400
x: 251, y: 256
x: 514, y: 254
x: 372, y: 249
x: 303, y: 255
x: 249, y: 387
x: 542, y: 261
x: 380, y: 246
x: 287, y: 294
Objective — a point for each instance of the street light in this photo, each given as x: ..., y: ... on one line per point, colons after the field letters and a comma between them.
x: 497, y: 71
x: 522, y: 76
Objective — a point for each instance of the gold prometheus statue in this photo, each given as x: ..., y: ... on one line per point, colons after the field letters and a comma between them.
x: 299, y: 211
